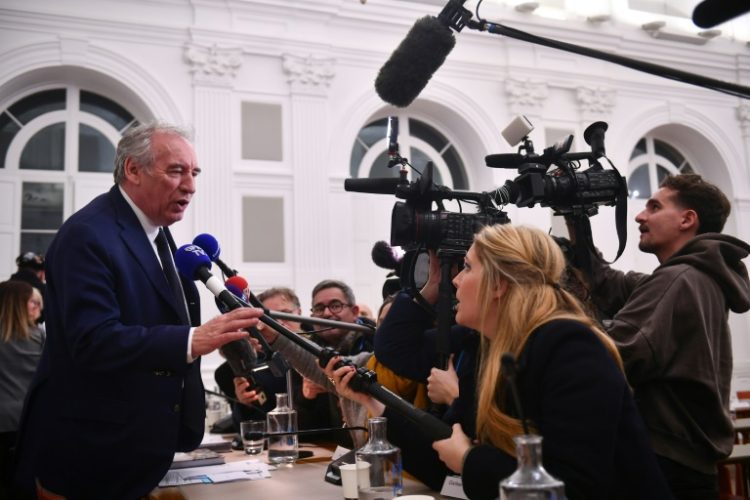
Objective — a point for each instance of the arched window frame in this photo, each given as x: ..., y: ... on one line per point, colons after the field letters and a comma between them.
x: 72, y: 116
x: 651, y: 160
x: 407, y: 141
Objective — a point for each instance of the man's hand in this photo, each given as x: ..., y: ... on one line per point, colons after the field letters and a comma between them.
x: 442, y: 385
x: 244, y: 396
x: 223, y: 329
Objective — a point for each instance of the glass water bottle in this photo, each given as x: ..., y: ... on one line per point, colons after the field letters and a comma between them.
x: 530, y: 481
x: 386, y: 479
x: 282, y: 449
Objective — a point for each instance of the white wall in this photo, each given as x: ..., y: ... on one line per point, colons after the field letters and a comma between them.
x: 195, y: 61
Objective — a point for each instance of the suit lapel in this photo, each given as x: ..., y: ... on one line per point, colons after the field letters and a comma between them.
x: 135, y: 240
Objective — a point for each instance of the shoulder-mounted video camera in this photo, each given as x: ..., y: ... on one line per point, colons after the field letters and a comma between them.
x: 565, y: 189
x: 414, y: 224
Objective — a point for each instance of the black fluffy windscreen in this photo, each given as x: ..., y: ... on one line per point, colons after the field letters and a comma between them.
x: 414, y: 61
x: 384, y: 256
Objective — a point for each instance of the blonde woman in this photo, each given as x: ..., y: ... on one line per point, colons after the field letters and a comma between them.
x: 21, y: 342
x: 570, y: 381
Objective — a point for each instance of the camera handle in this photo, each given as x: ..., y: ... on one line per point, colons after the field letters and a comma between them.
x: 444, y: 308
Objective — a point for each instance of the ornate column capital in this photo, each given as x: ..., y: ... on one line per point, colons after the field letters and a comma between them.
x: 308, y: 74
x: 525, y: 95
x: 213, y: 65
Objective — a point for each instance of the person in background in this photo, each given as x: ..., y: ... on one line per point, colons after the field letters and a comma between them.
x: 332, y: 300
x: 353, y: 414
x: 31, y: 271
x: 365, y: 311
x: 671, y: 328
x: 118, y: 389
x: 21, y: 343
x: 406, y: 342
x: 413, y: 391
x: 570, y: 383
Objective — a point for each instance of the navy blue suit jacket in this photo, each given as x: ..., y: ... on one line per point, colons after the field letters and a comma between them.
x: 114, y: 396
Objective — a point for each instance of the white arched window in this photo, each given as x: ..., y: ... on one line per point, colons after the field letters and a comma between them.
x: 419, y: 142
x: 49, y: 140
x: 650, y: 162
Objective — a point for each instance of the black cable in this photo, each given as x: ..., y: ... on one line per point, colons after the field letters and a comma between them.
x: 645, y: 67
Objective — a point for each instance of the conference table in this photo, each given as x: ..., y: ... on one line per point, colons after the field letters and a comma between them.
x: 303, y: 480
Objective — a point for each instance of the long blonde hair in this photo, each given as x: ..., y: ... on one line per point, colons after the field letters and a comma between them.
x: 15, y: 321
x: 531, y: 264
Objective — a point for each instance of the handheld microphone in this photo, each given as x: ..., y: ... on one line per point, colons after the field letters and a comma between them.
x: 414, y: 61
x: 238, y: 286
x: 193, y: 262
x: 210, y: 245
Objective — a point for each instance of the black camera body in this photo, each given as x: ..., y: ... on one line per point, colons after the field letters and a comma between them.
x: 415, y: 225
x: 412, y: 227
x: 564, y: 189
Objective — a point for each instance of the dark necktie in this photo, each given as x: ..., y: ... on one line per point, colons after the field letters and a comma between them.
x: 165, y: 256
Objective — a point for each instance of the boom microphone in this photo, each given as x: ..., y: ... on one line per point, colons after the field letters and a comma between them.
x: 710, y: 13
x: 414, y: 61
x: 210, y: 245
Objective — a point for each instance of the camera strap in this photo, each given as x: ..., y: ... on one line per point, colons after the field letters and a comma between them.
x: 584, y: 246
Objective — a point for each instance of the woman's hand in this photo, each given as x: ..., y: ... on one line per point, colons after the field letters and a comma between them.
x: 242, y: 392
x: 442, y: 385
x: 310, y: 389
x: 453, y: 450
x: 341, y: 377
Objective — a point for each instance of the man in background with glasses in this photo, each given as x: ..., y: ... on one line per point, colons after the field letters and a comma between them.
x: 333, y: 300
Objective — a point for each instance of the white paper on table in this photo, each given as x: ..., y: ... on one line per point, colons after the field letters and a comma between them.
x: 232, y: 471
x: 453, y: 487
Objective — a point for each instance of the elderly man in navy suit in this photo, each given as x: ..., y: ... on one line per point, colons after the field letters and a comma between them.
x: 118, y: 389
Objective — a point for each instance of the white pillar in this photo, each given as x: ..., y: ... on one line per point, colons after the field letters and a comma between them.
x: 309, y: 78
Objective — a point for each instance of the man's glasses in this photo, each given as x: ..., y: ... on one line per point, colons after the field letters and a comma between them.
x: 335, y: 306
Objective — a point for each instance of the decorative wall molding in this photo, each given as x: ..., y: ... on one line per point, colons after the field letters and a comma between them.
x: 73, y: 49
x: 213, y: 65
x: 308, y: 74
x: 597, y: 100
x: 743, y: 116
x: 525, y: 95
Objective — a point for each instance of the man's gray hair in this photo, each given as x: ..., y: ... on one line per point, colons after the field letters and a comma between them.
x: 348, y: 292
x: 136, y: 144
x: 283, y: 291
